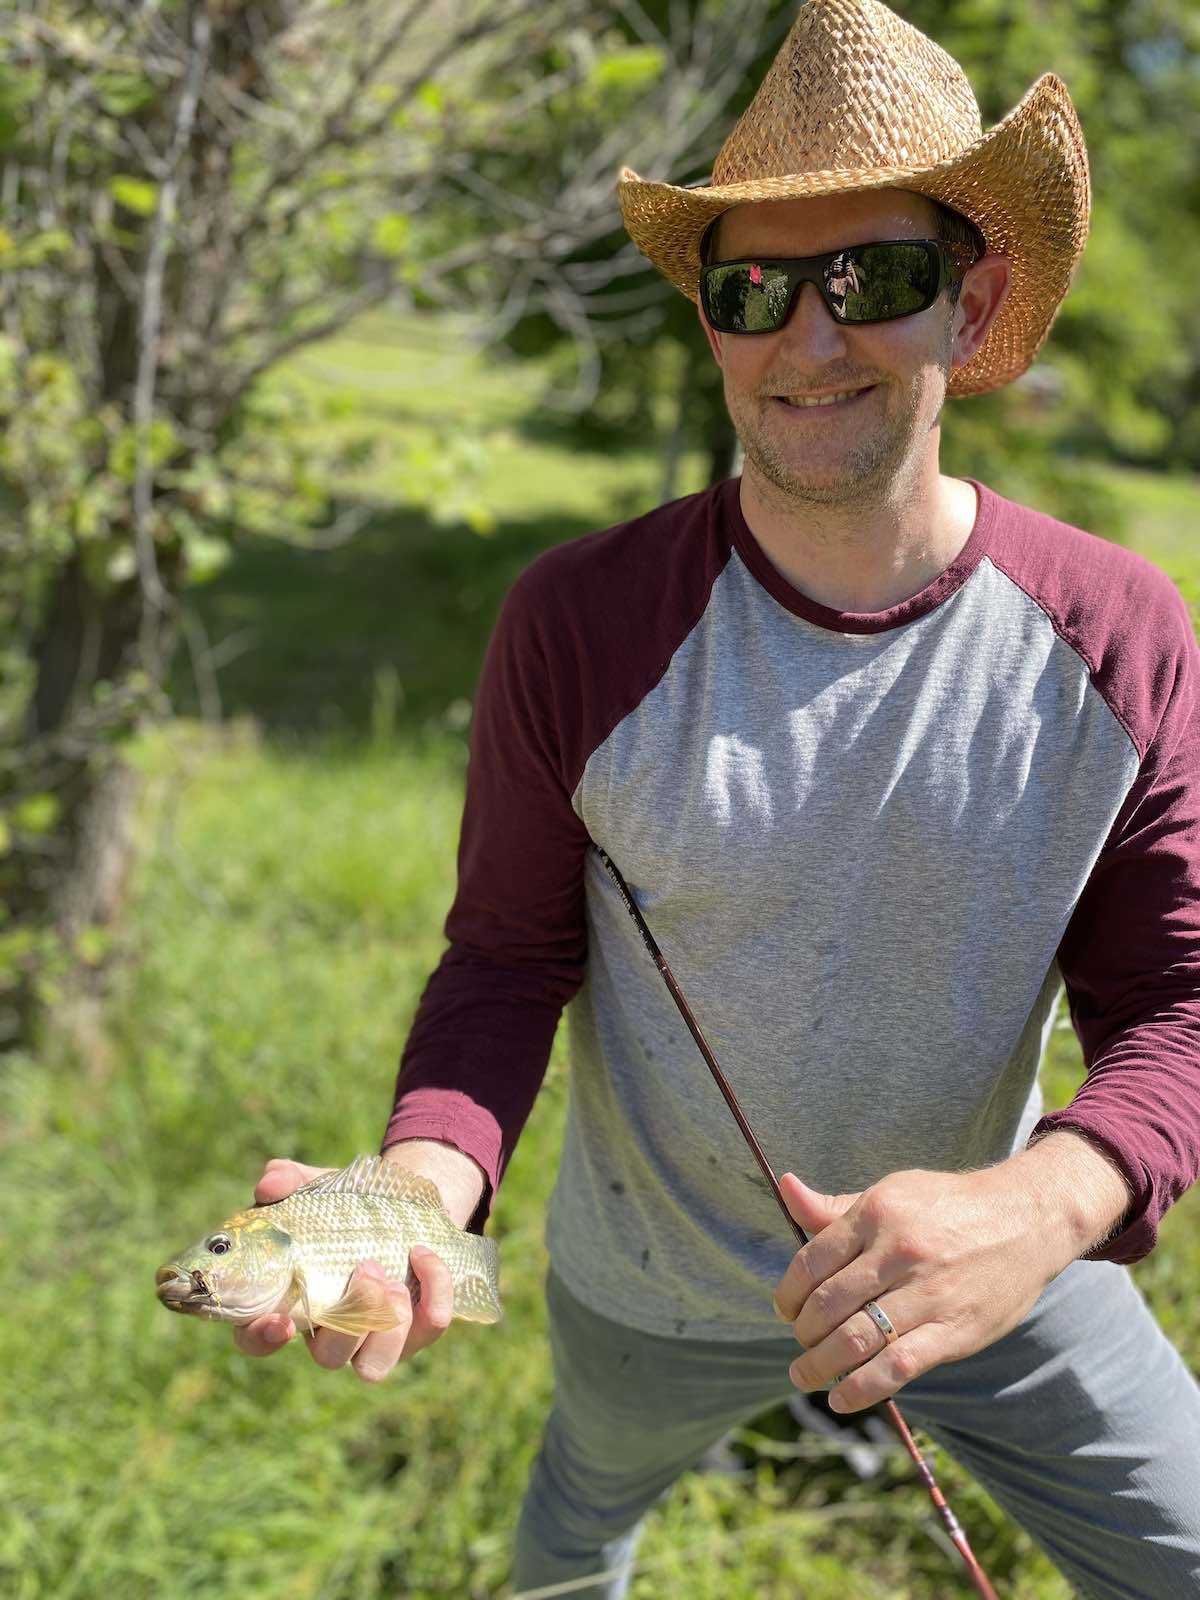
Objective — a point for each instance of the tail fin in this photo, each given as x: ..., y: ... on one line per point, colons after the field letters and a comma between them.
x: 477, y: 1296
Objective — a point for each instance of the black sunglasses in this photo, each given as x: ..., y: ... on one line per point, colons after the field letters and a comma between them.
x: 874, y: 282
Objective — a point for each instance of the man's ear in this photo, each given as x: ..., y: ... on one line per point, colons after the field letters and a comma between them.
x: 985, y: 289
x: 714, y: 339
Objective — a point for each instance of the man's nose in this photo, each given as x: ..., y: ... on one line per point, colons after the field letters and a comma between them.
x: 811, y: 325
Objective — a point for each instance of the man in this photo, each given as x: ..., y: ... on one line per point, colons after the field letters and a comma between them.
x: 885, y: 758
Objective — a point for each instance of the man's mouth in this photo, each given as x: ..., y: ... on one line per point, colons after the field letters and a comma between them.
x: 816, y: 402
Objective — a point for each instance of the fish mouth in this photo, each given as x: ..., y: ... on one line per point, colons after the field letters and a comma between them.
x: 183, y: 1291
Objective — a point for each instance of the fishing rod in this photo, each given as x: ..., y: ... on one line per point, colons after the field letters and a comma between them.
x: 949, y: 1521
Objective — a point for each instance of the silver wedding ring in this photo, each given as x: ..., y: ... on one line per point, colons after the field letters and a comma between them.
x: 881, y: 1320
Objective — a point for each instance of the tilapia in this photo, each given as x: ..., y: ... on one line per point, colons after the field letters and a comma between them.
x: 297, y: 1255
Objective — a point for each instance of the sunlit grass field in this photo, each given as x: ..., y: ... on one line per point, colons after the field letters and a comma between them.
x: 298, y: 861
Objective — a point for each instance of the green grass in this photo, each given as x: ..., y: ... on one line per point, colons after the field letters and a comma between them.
x: 286, y: 913
x: 286, y: 917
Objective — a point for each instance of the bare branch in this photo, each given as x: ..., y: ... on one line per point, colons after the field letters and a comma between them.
x: 123, y: 276
x: 340, y: 531
x: 639, y: 22
x: 369, y: 295
x: 334, y: 129
x: 204, y: 676
x: 566, y: 313
x: 149, y: 329
x: 337, y: 130
x: 501, y: 201
x: 10, y: 186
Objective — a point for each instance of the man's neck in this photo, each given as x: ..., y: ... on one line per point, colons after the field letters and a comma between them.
x: 866, y: 558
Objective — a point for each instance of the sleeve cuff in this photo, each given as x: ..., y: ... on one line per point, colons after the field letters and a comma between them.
x: 1138, y: 1231
x: 450, y: 1117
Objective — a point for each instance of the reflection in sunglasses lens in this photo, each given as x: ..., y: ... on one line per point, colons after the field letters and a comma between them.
x: 888, y: 282
x: 748, y: 299
x: 869, y: 284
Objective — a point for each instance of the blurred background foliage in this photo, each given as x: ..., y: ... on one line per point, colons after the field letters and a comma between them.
x: 317, y: 324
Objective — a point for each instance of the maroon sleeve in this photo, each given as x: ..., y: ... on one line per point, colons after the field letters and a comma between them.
x: 1130, y: 958
x: 583, y: 635
x: 479, y: 1044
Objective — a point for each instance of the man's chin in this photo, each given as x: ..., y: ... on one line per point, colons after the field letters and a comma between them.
x: 834, y: 485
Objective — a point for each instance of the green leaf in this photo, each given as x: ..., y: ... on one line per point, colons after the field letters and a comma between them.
x: 38, y: 814
x: 138, y: 195
x: 123, y: 92
x: 636, y: 68
x: 391, y: 235
x: 121, y: 564
x: 92, y: 944
x: 19, y: 86
x: 161, y: 443
x: 37, y: 249
x: 205, y: 556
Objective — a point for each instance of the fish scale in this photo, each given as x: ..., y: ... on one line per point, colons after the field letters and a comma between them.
x: 299, y: 1253
x: 337, y: 1230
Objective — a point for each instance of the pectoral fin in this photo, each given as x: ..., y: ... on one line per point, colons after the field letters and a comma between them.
x: 364, y: 1308
x: 297, y: 1304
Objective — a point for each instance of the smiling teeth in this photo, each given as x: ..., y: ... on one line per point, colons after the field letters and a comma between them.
x: 825, y: 400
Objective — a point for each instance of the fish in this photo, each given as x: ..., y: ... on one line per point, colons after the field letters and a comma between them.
x: 297, y: 1255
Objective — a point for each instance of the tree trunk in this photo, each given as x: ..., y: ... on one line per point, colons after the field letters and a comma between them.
x: 82, y: 881
x: 85, y: 639
x: 91, y: 894
x: 677, y: 439
x: 723, y: 448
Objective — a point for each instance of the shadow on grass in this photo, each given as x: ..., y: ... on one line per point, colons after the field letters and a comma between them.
x: 383, y: 633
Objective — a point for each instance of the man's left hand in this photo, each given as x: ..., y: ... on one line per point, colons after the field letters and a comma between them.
x: 956, y: 1260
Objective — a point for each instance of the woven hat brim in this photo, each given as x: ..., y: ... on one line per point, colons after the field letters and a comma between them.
x: 1025, y: 183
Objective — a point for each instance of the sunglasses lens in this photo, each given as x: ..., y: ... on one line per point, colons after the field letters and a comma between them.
x: 870, y: 283
x: 883, y: 280
x: 742, y: 298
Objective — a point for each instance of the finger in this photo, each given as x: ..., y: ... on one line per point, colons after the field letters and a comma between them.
x: 281, y: 1176
x: 886, y: 1374
x: 332, y: 1349
x: 264, y: 1335
x: 830, y: 1252
x: 809, y: 1207
x: 329, y: 1347
x: 379, y: 1352
x: 835, y: 1301
x: 853, y: 1342
x: 435, y: 1299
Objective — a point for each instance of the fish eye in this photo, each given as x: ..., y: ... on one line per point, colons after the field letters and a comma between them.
x: 219, y: 1244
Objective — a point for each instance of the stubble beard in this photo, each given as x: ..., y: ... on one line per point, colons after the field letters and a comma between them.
x: 866, y: 463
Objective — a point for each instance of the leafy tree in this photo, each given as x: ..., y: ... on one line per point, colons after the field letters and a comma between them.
x: 193, y: 189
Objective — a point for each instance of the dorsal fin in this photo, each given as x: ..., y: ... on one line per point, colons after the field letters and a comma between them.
x: 374, y: 1175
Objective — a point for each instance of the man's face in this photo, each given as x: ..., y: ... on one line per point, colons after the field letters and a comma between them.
x: 844, y: 452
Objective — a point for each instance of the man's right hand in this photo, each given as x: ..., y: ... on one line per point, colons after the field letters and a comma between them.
x: 372, y: 1355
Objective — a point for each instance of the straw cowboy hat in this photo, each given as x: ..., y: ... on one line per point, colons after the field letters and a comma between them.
x: 857, y: 99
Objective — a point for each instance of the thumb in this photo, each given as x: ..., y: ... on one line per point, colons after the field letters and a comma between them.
x: 281, y: 1176
x: 811, y: 1209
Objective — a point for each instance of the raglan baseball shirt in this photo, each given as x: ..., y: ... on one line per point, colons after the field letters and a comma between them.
x: 872, y: 847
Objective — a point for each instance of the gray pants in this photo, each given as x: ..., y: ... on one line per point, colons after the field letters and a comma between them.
x: 1083, y: 1424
